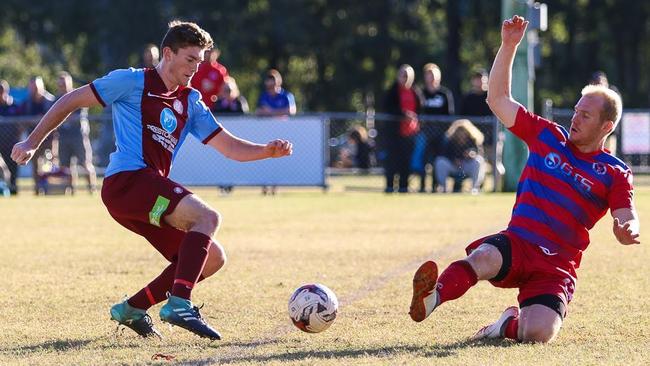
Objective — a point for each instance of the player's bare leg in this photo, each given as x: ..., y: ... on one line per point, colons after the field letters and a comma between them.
x: 534, y: 323
x: 216, y: 260
x: 539, y: 323
x: 200, y: 222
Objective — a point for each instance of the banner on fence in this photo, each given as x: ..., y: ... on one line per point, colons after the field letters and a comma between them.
x: 635, y: 133
x: 198, y: 164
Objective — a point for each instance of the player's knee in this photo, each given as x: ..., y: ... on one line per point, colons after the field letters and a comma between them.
x: 211, y: 219
x: 486, y: 261
x: 216, y: 260
x: 539, y: 333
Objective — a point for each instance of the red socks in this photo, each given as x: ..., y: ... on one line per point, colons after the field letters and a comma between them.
x: 156, y: 290
x: 454, y: 281
x: 180, y: 276
x: 192, y: 255
x: 511, y: 329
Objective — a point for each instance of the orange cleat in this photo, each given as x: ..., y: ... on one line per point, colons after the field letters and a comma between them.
x: 425, y: 296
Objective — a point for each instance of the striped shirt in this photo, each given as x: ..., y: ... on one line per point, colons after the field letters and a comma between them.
x: 563, y: 192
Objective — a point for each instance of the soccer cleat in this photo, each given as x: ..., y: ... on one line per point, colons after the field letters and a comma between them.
x: 136, y: 319
x: 180, y: 312
x: 425, y: 296
x: 497, y: 329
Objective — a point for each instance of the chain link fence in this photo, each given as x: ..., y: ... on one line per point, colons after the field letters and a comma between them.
x: 363, y: 144
x: 437, y: 153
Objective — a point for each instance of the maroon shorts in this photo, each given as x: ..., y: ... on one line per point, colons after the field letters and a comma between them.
x: 139, y: 200
x: 531, y: 271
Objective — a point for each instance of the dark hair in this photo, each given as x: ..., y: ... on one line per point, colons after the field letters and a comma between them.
x: 185, y: 34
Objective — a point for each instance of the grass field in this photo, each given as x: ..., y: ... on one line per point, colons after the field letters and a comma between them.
x: 65, y: 262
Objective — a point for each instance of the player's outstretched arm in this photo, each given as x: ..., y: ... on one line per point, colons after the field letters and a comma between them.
x: 499, y: 96
x: 626, y: 226
x: 78, y: 98
x: 238, y: 149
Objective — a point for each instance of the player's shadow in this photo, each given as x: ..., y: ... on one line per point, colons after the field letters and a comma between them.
x: 430, y: 351
x: 60, y: 345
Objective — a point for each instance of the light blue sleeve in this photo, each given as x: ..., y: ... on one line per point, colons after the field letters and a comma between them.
x: 117, y: 85
x: 291, y: 100
x: 201, y: 122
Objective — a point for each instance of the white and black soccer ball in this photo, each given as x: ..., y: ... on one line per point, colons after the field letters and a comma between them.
x: 313, y: 308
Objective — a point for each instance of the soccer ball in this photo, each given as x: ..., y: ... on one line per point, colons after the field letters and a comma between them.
x: 313, y: 307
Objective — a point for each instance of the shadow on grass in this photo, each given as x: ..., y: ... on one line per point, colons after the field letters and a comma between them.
x: 63, y: 345
x: 434, y: 351
x: 57, y: 345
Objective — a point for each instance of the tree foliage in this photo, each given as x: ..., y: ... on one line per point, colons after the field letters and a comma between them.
x: 336, y: 54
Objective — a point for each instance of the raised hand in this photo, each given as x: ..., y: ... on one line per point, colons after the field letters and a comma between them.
x: 513, y: 30
x: 279, y: 148
x: 624, y: 233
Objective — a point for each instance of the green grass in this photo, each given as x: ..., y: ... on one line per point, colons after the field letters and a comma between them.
x: 65, y: 262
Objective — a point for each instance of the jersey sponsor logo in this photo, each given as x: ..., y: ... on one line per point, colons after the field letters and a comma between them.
x: 164, y: 138
x: 599, y: 168
x: 547, y: 251
x: 168, y: 120
x: 554, y: 161
x: 178, y: 106
x: 157, y: 210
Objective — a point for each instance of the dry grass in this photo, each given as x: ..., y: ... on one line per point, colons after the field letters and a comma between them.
x: 65, y: 262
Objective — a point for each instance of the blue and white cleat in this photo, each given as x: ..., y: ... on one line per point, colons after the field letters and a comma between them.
x: 136, y: 319
x: 180, y: 312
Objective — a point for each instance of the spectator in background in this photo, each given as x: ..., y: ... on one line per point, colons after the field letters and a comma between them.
x: 462, y: 156
x: 37, y: 103
x: 473, y: 103
x: 436, y: 100
x: 9, y: 135
x: 356, y: 152
x: 600, y: 78
x: 230, y: 101
x: 105, y: 142
x: 74, y: 140
x: 611, y: 143
x: 150, y: 56
x: 274, y: 100
x: 403, y: 101
x: 209, y: 78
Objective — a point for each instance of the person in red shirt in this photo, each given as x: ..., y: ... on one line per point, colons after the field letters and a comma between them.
x: 402, y: 101
x: 210, y: 77
x: 568, y: 184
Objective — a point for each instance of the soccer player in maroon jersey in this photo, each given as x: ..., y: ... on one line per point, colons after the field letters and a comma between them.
x: 154, y: 110
x: 569, y: 182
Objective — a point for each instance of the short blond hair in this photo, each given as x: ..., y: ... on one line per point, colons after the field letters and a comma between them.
x: 612, y: 103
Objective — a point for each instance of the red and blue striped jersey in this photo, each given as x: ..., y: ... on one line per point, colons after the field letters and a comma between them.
x: 563, y: 192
